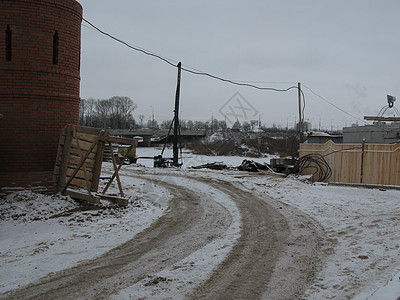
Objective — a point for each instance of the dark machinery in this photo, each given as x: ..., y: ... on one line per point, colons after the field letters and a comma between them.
x: 159, y: 160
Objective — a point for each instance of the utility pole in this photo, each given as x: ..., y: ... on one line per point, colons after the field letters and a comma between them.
x: 319, y: 126
x: 176, y: 119
x: 152, y: 118
x: 300, y: 117
x: 212, y: 121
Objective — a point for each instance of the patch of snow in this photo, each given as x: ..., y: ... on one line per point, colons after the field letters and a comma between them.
x: 187, y: 274
x: 33, y: 244
x: 215, y: 137
x: 391, y: 290
x: 190, y: 159
x: 361, y: 223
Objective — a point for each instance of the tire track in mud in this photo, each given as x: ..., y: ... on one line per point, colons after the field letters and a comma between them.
x: 270, y: 247
x: 246, y: 271
x: 188, y: 225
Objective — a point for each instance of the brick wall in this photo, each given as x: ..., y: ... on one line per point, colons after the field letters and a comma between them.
x: 39, y: 85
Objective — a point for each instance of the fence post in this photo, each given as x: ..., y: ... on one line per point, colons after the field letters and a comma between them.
x: 362, y: 160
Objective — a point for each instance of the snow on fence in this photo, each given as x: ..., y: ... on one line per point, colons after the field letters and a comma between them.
x: 358, y: 163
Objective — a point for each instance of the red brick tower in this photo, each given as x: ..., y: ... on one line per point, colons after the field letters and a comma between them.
x: 39, y: 86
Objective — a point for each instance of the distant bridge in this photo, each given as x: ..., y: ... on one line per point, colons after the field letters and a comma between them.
x: 159, y: 134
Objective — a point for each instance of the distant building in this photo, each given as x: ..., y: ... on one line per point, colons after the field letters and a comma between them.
x: 306, y: 126
x: 373, y: 134
x: 255, y: 126
x: 316, y: 137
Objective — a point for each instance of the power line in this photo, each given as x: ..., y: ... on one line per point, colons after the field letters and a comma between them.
x: 194, y: 71
x: 129, y: 45
x: 335, y: 106
x: 187, y: 68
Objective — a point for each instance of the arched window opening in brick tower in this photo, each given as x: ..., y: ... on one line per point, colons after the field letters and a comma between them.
x: 8, y: 43
x: 55, y: 48
x: 40, y: 43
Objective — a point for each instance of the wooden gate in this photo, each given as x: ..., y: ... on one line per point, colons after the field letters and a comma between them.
x: 358, y: 163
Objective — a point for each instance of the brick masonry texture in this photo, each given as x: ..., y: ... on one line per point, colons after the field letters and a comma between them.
x: 37, y: 97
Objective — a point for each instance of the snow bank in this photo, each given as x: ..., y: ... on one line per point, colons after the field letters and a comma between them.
x: 43, y: 234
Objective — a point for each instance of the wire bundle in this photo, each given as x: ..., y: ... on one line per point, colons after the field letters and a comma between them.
x: 316, y: 162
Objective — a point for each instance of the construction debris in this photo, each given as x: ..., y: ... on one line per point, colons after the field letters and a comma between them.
x: 162, y: 162
x: 212, y: 166
x: 284, y: 165
x: 251, y: 166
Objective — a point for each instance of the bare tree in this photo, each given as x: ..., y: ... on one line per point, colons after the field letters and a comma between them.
x: 165, y: 124
x: 82, y: 112
x: 141, y: 120
x: 190, y: 125
x: 103, y: 108
x: 153, y: 124
x: 116, y: 112
x: 246, y: 126
x: 222, y: 125
x: 237, y: 125
x: 121, y: 111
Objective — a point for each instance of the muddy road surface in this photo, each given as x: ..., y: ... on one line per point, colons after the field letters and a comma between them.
x: 275, y: 255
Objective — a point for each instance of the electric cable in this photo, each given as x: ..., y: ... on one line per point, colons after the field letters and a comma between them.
x: 234, y: 82
x: 341, y: 150
x: 187, y: 68
x: 335, y: 106
x: 198, y: 72
x: 129, y: 45
x: 317, y: 163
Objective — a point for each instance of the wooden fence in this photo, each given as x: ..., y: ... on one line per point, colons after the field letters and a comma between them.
x: 79, y: 160
x: 358, y: 163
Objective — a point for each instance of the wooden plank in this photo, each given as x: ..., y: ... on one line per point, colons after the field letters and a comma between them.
x: 79, y: 160
x: 83, y: 159
x: 83, y: 167
x: 79, y: 174
x: 60, y: 146
x: 83, y: 145
x: 86, y: 137
x: 75, y: 160
x: 74, y: 152
x: 56, y: 173
x: 82, y: 137
x: 116, y: 170
x: 89, y: 130
x: 119, y: 140
x: 396, y: 162
x: 97, y: 166
x: 82, y: 196
x: 117, y: 200
x: 92, y: 155
x: 64, y: 158
x: 77, y: 183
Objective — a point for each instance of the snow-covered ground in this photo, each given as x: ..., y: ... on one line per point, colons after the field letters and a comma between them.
x: 44, y: 234
x: 190, y: 160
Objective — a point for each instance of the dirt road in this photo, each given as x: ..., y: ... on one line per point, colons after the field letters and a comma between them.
x: 276, y: 255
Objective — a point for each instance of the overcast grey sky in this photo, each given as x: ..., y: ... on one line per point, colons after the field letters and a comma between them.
x: 346, y: 51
